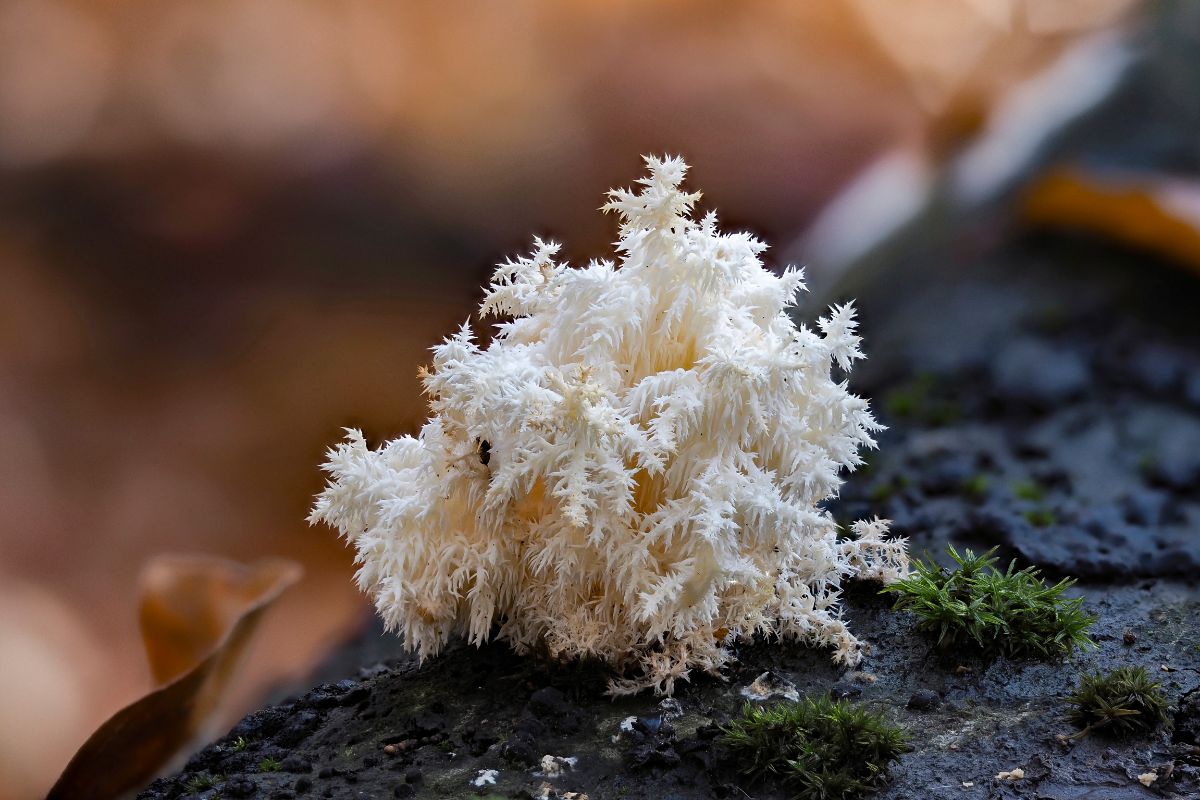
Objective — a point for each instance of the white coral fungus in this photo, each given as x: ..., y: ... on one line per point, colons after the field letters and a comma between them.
x: 632, y: 469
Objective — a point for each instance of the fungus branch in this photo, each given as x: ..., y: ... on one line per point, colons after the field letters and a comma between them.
x: 632, y: 469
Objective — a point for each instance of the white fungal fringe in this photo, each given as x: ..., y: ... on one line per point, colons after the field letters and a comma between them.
x: 632, y: 469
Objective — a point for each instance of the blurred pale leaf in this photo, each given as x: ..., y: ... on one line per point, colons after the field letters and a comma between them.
x: 958, y: 55
x: 1064, y: 16
x: 198, y: 614
x: 935, y: 43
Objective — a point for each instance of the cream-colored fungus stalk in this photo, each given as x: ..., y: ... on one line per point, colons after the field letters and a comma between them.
x: 632, y: 469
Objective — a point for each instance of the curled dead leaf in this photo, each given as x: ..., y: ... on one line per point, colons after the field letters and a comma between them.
x: 198, y: 614
x: 1152, y: 212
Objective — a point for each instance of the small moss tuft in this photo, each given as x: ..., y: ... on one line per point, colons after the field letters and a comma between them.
x: 1124, y: 702
x: 822, y: 749
x: 1040, y: 517
x: 1028, y: 490
x: 269, y: 765
x: 201, y: 782
x: 239, y: 744
x: 921, y: 401
x: 901, y: 403
x: 1147, y: 464
x: 1012, y: 613
x: 976, y: 486
x: 881, y: 492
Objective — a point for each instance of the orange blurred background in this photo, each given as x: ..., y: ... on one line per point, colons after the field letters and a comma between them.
x: 230, y: 228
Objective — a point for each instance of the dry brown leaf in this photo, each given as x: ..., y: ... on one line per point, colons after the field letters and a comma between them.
x: 198, y: 613
x: 1154, y: 212
x: 190, y: 603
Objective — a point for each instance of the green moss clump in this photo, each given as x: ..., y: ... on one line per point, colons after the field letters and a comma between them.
x: 881, y: 492
x: 1028, y: 490
x: 1011, y: 613
x: 919, y: 400
x: 1040, y: 517
x: 821, y: 749
x: 201, y: 783
x: 1124, y: 702
x: 976, y: 486
x: 269, y: 765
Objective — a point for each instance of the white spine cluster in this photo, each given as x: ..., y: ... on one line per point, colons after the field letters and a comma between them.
x: 632, y: 469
